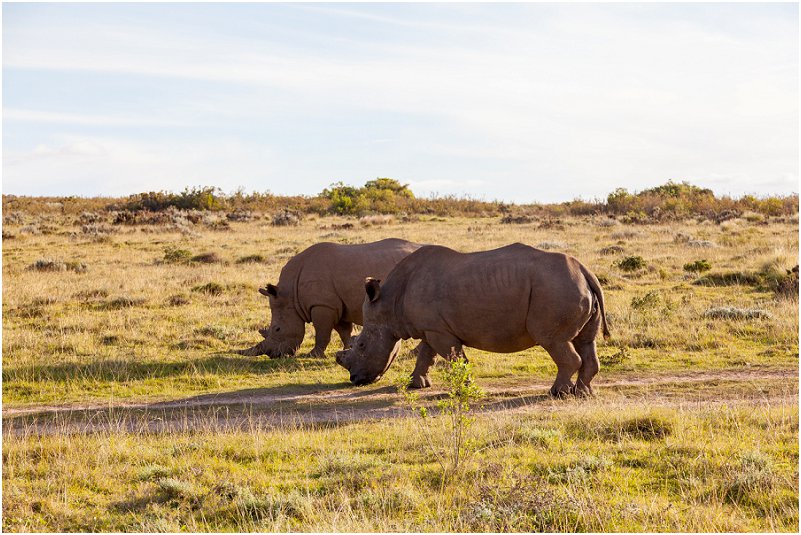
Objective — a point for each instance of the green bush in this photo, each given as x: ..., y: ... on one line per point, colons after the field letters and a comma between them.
x: 631, y: 263
x: 197, y: 198
x: 174, y: 255
x: 345, y: 200
x: 699, y: 266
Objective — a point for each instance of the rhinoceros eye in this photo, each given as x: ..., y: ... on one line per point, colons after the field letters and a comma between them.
x: 277, y: 329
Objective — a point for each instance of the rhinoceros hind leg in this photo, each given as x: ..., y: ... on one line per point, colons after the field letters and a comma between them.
x: 425, y: 358
x: 323, y: 320
x: 589, y: 368
x: 585, y: 346
x: 344, y: 330
x: 568, y: 362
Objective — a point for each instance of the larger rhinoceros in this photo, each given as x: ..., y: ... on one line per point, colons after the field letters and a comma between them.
x: 324, y: 285
x: 503, y: 300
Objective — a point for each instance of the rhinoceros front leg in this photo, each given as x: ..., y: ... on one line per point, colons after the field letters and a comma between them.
x: 445, y: 345
x: 323, y: 320
x: 434, y: 343
x: 425, y: 358
x: 568, y: 362
x: 344, y: 330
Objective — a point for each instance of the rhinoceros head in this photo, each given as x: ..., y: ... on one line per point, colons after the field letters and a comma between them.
x: 285, y: 333
x: 374, y: 349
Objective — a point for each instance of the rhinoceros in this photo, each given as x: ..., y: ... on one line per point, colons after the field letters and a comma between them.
x: 502, y: 301
x: 323, y: 285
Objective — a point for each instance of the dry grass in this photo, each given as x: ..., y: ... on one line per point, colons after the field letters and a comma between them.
x: 139, y: 327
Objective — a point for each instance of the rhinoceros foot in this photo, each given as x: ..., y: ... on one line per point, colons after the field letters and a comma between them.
x: 581, y: 390
x: 420, y: 381
x: 561, y: 393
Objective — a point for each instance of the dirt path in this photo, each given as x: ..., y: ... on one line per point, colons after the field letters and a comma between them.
x: 263, y: 408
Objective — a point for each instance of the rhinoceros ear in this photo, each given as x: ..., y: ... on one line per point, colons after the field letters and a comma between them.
x: 373, y: 288
x: 270, y: 290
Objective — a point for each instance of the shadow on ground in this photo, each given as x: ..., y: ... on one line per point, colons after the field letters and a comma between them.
x: 131, y: 369
x: 286, y: 406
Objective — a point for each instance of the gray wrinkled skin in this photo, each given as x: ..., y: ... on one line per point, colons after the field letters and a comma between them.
x: 504, y: 300
x: 323, y: 285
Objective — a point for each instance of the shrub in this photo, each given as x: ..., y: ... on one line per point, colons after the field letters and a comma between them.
x: 240, y: 215
x: 649, y: 300
x: 178, y: 300
x: 731, y: 278
x: 370, y: 220
x: 647, y: 428
x: 699, y: 266
x: 788, y: 284
x: 86, y: 295
x: 174, y: 255
x: 175, y: 488
x: 631, y: 263
x: 210, y: 288
x: 610, y: 250
x: 461, y: 395
x: 750, y: 472
x: 733, y: 313
x: 286, y: 218
x: 206, y: 258
x: 122, y: 302
x: 77, y: 267
x: 197, y: 198
x: 701, y: 244
x: 49, y: 264
x: 251, y: 259
x: 510, y: 219
x: 345, y: 200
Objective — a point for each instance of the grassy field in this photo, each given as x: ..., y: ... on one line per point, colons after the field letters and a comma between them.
x: 124, y: 409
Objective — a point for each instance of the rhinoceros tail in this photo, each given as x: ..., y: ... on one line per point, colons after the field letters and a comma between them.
x: 595, y: 287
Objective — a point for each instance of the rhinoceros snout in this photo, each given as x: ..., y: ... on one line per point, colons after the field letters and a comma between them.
x: 359, y: 380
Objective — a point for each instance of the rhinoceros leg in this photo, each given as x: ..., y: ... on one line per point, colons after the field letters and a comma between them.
x: 323, y: 320
x: 589, y: 368
x: 445, y: 345
x: 425, y: 358
x: 585, y: 346
x: 344, y: 330
x: 568, y: 362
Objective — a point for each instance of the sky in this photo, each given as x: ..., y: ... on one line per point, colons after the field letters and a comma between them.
x: 512, y: 102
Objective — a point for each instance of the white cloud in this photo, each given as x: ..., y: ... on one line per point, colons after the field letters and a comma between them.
x: 35, y: 116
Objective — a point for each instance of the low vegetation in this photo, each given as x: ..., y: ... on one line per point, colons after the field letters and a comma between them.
x: 669, y: 202
x: 125, y: 410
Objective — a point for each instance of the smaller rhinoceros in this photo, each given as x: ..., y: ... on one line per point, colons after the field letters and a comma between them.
x: 504, y: 300
x: 323, y: 285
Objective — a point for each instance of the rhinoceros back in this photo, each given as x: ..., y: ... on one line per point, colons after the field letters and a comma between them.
x: 502, y: 300
x: 332, y: 274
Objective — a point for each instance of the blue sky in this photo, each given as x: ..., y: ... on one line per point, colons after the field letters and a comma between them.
x: 516, y: 102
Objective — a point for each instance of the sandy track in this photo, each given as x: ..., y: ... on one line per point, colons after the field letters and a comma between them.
x: 263, y: 408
